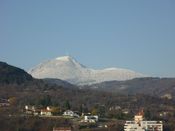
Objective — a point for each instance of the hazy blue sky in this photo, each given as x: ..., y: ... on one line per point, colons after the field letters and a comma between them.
x: 133, y: 34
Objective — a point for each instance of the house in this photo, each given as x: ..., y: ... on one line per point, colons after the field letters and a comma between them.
x: 62, y: 129
x: 139, y: 124
x: 29, y: 109
x: 90, y: 119
x: 32, y: 110
x: 46, y: 112
x: 70, y: 113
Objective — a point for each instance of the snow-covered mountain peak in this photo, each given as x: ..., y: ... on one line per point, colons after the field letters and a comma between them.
x: 68, y: 60
x: 64, y: 58
x: 112, y: 68
x: 67, y: 68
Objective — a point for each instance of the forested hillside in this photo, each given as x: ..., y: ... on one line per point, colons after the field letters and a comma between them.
x: 10, y: 74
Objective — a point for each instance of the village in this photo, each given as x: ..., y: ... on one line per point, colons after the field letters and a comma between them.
x: 84, y: 120
x: 90, y: 120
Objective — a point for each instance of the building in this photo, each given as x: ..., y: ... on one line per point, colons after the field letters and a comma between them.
x: 139, y: 124
x: 32, y: 110
x: 46, y: 112
x: 90, y: 119
x: 70, y: 113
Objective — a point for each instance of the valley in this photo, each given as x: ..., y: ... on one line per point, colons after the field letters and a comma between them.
x: 111, y: 106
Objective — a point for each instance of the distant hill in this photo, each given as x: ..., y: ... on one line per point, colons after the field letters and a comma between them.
x: 10, y: 74
x: 151, y: 86
x: 58, y: 82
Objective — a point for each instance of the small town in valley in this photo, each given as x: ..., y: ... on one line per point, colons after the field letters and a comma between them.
x: 138, y: 124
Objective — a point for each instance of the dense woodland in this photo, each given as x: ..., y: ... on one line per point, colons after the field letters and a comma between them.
x: 151, y: 86
x: 21, y: 89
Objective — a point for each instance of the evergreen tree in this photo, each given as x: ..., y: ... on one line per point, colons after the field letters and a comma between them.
x: 67, y: 105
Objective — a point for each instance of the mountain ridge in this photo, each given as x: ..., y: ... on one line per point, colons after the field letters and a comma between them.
x: 154, y: 86
x: 11, y: 74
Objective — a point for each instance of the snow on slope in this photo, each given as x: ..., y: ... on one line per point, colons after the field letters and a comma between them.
x: 68, y: 69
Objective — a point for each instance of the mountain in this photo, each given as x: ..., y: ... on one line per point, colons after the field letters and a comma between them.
x: 10, y: 74
x: 68, y: 69
x: 162, y: 87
